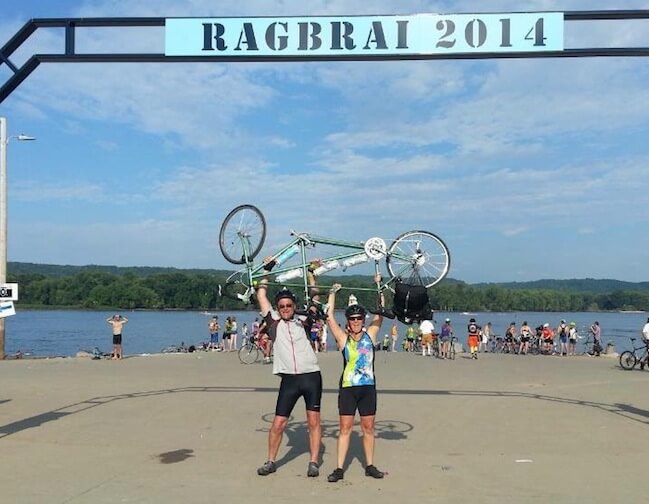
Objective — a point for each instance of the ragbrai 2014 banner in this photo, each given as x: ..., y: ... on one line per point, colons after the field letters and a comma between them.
x: 366, y: 36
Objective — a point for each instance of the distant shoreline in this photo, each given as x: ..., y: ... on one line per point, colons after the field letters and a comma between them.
x: 211, y: 311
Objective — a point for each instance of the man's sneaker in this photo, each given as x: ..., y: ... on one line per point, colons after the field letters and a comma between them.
x: 268, y: 468
x: 337, y: 475
x: 313, y: 471
x: 372, y: 471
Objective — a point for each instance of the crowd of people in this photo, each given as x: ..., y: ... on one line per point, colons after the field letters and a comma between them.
x: 542, y: 339
x: 420, y: 337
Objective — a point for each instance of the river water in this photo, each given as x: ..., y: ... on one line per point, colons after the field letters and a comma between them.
x: 49, y: 333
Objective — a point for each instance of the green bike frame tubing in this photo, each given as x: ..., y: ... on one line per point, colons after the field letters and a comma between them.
x: 303, y: 240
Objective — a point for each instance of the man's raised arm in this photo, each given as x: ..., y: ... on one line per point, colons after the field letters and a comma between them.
x: 262, y: 297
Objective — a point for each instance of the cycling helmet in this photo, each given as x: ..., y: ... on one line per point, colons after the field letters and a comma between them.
x: 285, y: 294
x: 447, y: 320
x: 354, y: 309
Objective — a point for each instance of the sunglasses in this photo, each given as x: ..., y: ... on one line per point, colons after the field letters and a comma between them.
x: 356, y: 318
x: 281, y: 306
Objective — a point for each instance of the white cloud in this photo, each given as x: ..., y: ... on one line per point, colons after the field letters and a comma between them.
x: 351, y: 150
x: 34, y: 192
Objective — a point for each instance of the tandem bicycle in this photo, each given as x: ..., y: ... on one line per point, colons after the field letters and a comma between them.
x: 414, y: 258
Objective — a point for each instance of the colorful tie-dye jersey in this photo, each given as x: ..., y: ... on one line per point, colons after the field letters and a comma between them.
x: 358, y: 368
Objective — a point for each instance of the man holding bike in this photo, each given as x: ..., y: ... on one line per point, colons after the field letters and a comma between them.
x: 296, y: 363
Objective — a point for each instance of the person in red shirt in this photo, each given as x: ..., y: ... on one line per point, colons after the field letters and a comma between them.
x: 547, y: 336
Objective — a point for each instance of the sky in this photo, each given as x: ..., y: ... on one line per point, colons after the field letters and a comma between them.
x: 526, y: 168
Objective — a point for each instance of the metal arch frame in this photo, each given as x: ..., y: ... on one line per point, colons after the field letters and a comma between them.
x: 71, y: 56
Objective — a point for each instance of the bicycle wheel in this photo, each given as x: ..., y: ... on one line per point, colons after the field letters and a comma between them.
x: 242, y: 234
x: 248, y: 353
x: 418, y: 257
x: 628, y: 360
x: 451, y: 351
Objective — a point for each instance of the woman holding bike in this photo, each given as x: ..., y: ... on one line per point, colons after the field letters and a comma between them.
x: 357, y: 389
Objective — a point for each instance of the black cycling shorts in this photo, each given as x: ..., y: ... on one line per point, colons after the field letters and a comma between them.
x: 308, y: 385
x: 361, y: 398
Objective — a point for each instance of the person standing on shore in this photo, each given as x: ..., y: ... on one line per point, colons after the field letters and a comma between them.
x: 117, y: 322
x: 427, y: 328
x: 394, y: 334
x: 445, y: 336
x: 296, y: 363
x: 596, y: 331
x: 473, y: 339
x: 573, y: 336
x: 411, y: 336
x: 525, y: 336
x: 233, y: 334
x: 510, y: 338
x: 213, y: 328
x: 547, y: 335
x: 484, y: 338
x: 357, y: 386
x: 562, y: 331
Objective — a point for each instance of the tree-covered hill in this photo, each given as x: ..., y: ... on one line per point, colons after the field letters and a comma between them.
x: 591, y: 285
x: 100, y: 287
x: 57, y: 270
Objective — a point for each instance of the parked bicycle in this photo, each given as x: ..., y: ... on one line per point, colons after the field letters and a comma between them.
x: 629, y: 359
x: 414, y: 257
x: 252, y: 350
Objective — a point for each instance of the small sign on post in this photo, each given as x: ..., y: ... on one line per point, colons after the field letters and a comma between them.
x: 9, y: 292
x: 7, y: 309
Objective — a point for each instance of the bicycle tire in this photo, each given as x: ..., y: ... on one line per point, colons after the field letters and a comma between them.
x: 451, y: 351
x: 628, y: 360
x: 408, y: 259
x: 248, y: 353
x: 243, y: 223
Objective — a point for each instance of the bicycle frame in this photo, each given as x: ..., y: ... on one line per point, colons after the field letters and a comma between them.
x: 420, y: 257
x: 639, y: 351
x: 254, y: 272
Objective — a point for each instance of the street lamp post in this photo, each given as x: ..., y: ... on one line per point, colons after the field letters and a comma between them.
x: 4, y: 141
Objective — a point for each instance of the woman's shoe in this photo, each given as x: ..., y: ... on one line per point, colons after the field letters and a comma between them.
x: 372, y: 471
x: 337, y: 475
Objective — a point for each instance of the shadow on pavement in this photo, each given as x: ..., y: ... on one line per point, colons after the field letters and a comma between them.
x: 624, y: 410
